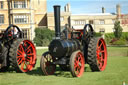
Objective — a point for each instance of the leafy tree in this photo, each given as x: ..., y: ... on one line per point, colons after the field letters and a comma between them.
x: 117, y: 29
x: 43, y: 36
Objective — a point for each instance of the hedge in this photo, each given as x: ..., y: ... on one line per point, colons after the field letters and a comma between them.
x: 109, y: 37
x: 43, y: 36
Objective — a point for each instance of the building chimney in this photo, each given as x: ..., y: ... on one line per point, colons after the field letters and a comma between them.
x: 118, y: 9
x: 67, y: 8
x: 103, y: 10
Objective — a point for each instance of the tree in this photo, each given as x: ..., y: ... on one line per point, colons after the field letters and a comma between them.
x: 43, y: 36
x: 117, y: 29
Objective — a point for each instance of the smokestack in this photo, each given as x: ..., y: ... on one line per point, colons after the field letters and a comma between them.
x: 57, y: 21
x: 118, y: 9
x: 103, y: 10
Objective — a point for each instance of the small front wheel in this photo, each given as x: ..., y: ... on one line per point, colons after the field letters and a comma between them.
x: 77, y: 64
x: 46, y: 64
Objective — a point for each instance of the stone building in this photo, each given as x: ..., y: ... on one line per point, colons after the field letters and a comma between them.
x: 101, y: 22
x: 27, y: 14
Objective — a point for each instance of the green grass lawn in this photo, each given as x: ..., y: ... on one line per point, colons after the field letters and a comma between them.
x: 115, y: 73
x: 117, y: 51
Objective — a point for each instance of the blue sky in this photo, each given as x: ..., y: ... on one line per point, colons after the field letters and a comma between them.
x: 89, y: 6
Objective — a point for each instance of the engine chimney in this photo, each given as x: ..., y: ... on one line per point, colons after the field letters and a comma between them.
x: 57, y: 21
x: 103, y: 10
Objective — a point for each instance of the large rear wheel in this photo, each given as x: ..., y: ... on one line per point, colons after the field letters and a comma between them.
x: 5, y: 60
x: 97, y: 54
x: 22, y: 55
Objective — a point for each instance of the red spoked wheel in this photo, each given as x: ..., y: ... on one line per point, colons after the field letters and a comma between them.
x: 101, y: 52
x: 23, y: 55
x: 97, y: 54
x: 77, y: 64
x: 46, y: 64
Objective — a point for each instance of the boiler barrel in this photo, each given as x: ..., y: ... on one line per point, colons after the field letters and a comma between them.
x: 61, y: 48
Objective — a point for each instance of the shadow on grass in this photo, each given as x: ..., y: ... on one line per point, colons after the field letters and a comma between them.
x: 59, y: 72
x: 36, y: 72
x: 9, y: 70
x: 67, y: 74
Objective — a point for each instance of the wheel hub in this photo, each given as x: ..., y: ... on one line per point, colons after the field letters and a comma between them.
x: 25, y: 55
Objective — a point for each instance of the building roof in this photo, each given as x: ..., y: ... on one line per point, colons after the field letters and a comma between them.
x: 94, y: 14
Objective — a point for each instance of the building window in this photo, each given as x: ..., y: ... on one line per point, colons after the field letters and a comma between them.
x: 102, y: 22
x: 21, y: 19
x: 113, y: 21
x: 26, y: 33
x: 1, y: 19
x: 61, y: 19
x: 1, y: 4
x: 90, y: 21
x: 20, y: 4
x: 80, y: 22
x: 102, y: 30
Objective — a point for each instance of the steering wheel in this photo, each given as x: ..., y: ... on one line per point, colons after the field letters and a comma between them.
x: 13, y: 32
x: 87, y: 32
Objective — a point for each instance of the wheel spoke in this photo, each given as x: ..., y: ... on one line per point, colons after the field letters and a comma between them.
x: 20, y: 61
x: 77, y: 71
x: 102, y: 58
x: 27, y: 66
x: 100, y: 65
x: 79, y: 58
x: 101, y: 44
x: 19, y: 56
x: 22, y: 65
x: 31, y: 54
x: 98, y: 50
x: 29, y: 57
x: 102, y: 51
x: 28, y: 50
x: 24, y: 43
x: 75, y: 65
x: 19, y: 51
x: 79, y: 66
x: 22, y: 48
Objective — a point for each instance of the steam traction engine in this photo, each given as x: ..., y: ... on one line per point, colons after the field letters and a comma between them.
x: 15, y: 51
x: 73, y: 49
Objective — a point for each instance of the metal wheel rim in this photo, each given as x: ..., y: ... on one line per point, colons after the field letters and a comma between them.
x: 26, y: 56
x: 101, y: 54
x: 49, y: 67
x: 79, y: 64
